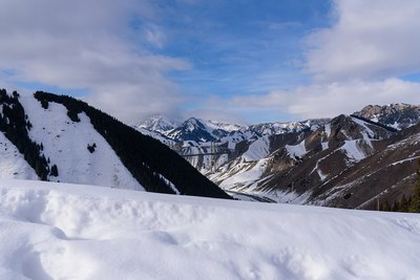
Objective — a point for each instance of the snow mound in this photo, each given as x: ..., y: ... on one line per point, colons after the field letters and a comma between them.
x: 62, y: 231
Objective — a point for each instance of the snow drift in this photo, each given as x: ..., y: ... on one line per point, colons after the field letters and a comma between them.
x: 62, y: 231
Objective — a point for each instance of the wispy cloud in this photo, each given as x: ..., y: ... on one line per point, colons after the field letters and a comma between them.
x: 155, y: 35
x: 369, y: 40
x: 222, y: 59
x: 86, y: 44
x: 320, y: 100
x: 362, y: 58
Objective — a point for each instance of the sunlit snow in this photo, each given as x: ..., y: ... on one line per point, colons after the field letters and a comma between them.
x: 61, y: 231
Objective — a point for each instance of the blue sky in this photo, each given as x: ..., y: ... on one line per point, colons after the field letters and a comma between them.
x: 240, y: 47
x: 246, y: 61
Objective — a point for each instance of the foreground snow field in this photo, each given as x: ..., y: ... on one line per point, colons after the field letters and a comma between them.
x: 62, y: 231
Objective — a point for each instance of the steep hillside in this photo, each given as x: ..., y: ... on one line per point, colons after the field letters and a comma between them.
x: 384, y: 177
x: 295, y: 163
x: 62, y: 139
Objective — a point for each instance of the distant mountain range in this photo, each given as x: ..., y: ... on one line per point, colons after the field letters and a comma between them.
x: 61, y: 139
x: 353, y: 161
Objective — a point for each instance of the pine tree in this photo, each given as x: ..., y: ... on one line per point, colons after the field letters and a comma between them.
x: 385, y: 206
x: 404, y: 204
x: 395, y: 206
x: 415, y: 201
x: 54, y: 171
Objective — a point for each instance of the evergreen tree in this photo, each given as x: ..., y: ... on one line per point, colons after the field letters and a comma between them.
x: 415, y: 201
x: 91, y: 148
x: 14, y: 124
x: 54, y: 171
x: 385, y: 206
x: 404, y: 204
x: 396, y: 206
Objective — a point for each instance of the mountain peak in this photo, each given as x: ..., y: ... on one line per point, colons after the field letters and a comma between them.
x: 396, y: 115
x: 158, y: 123
x: 229, y: 127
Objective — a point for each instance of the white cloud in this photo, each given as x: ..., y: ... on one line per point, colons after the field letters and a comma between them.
x: 369, y: 39
x: 155, y: 36
x: 353, y: 63
x: 85, y: 44
x: 331, y: 99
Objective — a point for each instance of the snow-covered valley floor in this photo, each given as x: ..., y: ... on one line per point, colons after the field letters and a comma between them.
x: 61, y: 231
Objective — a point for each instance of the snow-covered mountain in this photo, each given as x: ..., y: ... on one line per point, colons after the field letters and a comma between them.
x: 199, y: 130
x: 61, y: 139
x: 286, y: 167
x: 63, y: 231
x: 305, y: 162
x: 192, y: 129
x: 158, y: 123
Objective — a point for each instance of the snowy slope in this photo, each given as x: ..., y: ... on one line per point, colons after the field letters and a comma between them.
x: 258, y: 149
x: 297, y: 150
x: 51, y: 231
x: 65, y: 142
x: 12, y: 163
x: 245, y: 176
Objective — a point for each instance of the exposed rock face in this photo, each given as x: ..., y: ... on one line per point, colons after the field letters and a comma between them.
x: 386, y: 175
x: 303, y: 161
x: 348, y: 161
x: 192, y: 130
x: 398, y: 116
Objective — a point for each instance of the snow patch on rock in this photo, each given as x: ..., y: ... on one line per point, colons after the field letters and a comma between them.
x: 297, y: 150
